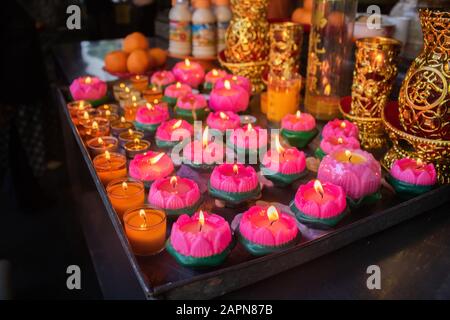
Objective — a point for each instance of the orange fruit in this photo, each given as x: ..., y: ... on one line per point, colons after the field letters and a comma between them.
x: 138, y: 61
x: 133, y: 41
x: 301, y: 15
x: 308, y: 4
x: 159, y: 55
x: 116, y: 61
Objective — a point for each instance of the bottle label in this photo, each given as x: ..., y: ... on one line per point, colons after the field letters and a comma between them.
x: 221, y: 31
x: 204, y: 35
x: 180, y: 31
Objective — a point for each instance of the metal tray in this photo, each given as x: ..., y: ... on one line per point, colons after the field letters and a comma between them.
x: 123, y: 275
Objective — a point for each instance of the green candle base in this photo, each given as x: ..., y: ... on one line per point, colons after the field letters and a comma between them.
x: 317, y: 223
x: 368, y: 199
x: 235, y: 198
x: 407, y: 190
x: 200, y: 114
x: 164, y: 144
x: 170, y: 101
x: 207, y: 87
x: 319, y: 153
x: 299, y: 139
x: 187, y: 210
x: 195, y: 262
x: 261, y: 250
x: 279, y: 179
x: 149, y: 128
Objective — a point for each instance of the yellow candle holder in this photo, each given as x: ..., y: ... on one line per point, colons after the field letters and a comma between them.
x: 374, y: 75
x: 283, y: 96
x: 145, y: 228
x: 285, y: 48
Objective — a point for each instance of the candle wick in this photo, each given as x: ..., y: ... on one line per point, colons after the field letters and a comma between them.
x: 200, y: 229
x: 350, y: 159
x: 321, y: 194
x: 272, y: 222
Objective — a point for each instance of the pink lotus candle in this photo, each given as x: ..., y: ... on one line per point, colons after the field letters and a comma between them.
x: 331, y: 143
x: 171, y: 132
x: 150, y: 116
x: 229, y: 98
x: 240, y: 81
x: 356, y: 171
x: 176, y: 195
x: 299, y: 129
x: 150, y: 166
x: 201, y: 240
x: 319, y: 204
x: 203, y: 154
x: 223, y: 120
x: 234, y: 183
x: 191, y: 107
x: 212, y: 77
x: 340, y: 128
x: 283, y: 165
x: 265, y: 229
x: 412, y: 177
x: 190, y: 73
x: 88, y: 88
x: 174, y: 91
x: 248, y: 139
x: 162, y: 79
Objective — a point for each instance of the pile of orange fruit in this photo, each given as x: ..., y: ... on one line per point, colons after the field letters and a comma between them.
x: 136, y: 56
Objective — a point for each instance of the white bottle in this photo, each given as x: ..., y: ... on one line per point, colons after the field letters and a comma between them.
x: 203, y: 30
x: 223, y: 17
x: 180, y: 29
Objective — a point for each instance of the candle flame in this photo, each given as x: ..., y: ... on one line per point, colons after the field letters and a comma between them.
x: 107, y: 155
x: 95, y: 125
x: 149, y: 106
x: 137, y: 141
x: 298, y: 114
x: 235, y: 169
x: 127, y: 90
x: 87, y: 80
x: 343, y: 125
x: 173, y: 181
x: 272, y: 214
x: 318, y: 187
x: 205, y: 137
x: 100, y: 141
x: 278, y: 145
x: 227, y: 84
x: 178, y: 85
x: 124, y: 186
x: 107, y: 113
x: 122, y: 85
x: 201, y: 219
x: 138, y: 77
x: 130, y: 132
x: 215, y: 72
x: 234, y: 78
x: 187, y: 62
x: 348, y: 153
x: 156, y: 158
x: 85, y: 115
x: 133, y: 99
x: 123, y: 120
x: 144, y: 217
x: 340, y: 141
x: 177, y: 124
x: 155, y: 101
x: 223, y: 116
x: 419, y: 163
x: 249, y: 127
x: 327, y: 90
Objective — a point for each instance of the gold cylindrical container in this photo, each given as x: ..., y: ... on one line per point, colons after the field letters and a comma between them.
x: 330, y: 44
x: 374, y: 74
x: 285, y: 48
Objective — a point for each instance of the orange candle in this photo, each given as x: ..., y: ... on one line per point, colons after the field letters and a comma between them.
x: 110, y: 166
x: 125, y: 194
x: 78, y: 105
x: 150, y: 94
x: 145, y: 228
x: 139, y: 82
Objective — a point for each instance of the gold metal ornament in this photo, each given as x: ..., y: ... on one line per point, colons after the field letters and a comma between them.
x: 424, y: 99
x: 373, y: 76
x: 285, y: 48
x: 247, y: 35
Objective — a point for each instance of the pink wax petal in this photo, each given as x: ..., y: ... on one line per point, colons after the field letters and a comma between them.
x: 264, y: 237
x: 179, y: 243
x: 156, y: 198
x: 174, y: 202
x: 221, y: 240
x: 228, y: 185
x: 201, y: 247
x: 424, y: 179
